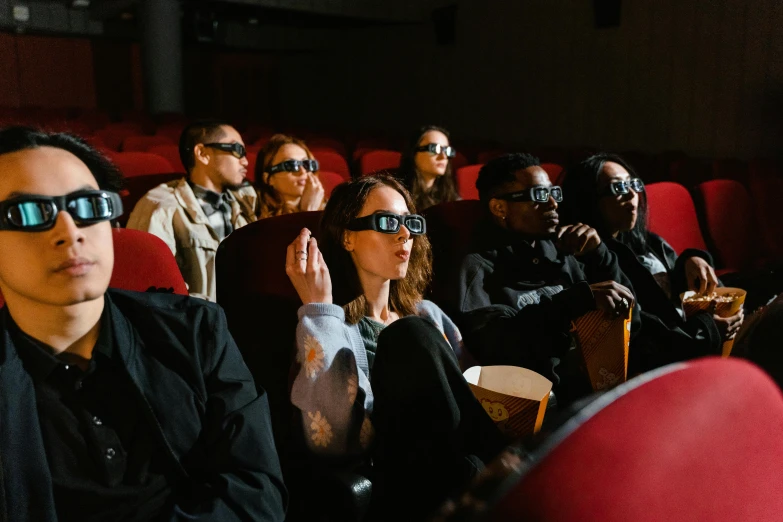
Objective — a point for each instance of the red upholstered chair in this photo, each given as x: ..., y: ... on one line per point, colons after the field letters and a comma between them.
x: 326, y: 143
x: 459, y: 161
x: 252, y: 157
x: 451, y: 228
x: 135, y: 188
x: 171, y: 154
x: 142, y: 260
x: 171, y: 131
x: 485, y: 156
x: 379, y: 160
x: 329, y: 180
x: 691, y: 441
x: 365, y: 145
x: 766, y: 188
x: 114, y: 135
x: 672, y: 215
x: 690, y: 171
x: 332, y: 161
x: 730, y: 169
x: 144, y: 143
x: 731, y: 225
x: 466, y: 181
x: 140, y: 163
x: 554, y: 171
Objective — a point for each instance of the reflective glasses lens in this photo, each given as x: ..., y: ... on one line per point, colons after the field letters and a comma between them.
x: 388, y: 223
x: 415, y: 225
x: 557, y: 194
x: 31, y: 213
x: 239, y: 151
x: 449, y: 152
x: 620, y: 188
x: 540, y: 194
x: 90, y: 208
x: 637, y: 185
x: 310, y: 165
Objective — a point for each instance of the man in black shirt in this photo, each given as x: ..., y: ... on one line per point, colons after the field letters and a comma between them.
x: 529, y: 278
x: 115, y: 405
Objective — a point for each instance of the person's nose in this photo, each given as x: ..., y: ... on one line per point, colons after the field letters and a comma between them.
x: 404, y: 234
x: 244, y: 161
x: 551, y: 204
x: 65, y: 231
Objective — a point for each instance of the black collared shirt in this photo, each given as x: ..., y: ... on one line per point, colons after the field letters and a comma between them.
x: 217, y: 208
x: 106, y: 460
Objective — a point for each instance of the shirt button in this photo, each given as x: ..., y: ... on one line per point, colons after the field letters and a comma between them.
x: 535, y: 260
x: 110, y: 453
x: 96, y: 421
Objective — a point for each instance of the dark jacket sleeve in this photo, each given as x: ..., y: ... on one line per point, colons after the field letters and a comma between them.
x: 500, y: 334
x: 675, y: 263
x: 234, y: 466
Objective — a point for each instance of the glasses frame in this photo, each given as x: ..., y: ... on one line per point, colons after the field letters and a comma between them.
x: 59, y: 204
x: 437, y: 148
x: 528, y: 194
x: 235, y: 148
x: 310, y: 165
x: 372, y: 221
x: 612, y: 189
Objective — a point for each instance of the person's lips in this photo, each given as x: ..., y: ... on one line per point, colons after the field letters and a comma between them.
x: 403, y: 254
x: 76, y: 266
x: 552, y: 217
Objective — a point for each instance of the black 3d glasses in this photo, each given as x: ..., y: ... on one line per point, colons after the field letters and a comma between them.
x: 236, y: 149
x: 539, y: 194
x: 437, y: 148
x: 37, y: 213
x: 619, y: 188
x: 389, y: 223
x: 309, y: 165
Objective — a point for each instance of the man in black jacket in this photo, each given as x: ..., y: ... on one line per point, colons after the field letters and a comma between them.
x: 529, y: 278
x: 114, y: 405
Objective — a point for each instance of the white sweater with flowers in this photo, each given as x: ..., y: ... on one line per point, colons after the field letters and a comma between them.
x: 332, y: 387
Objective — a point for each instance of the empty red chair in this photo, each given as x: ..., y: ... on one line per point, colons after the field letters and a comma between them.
x: 376, y: 160
x: 731, y: 226
x: 332, y: 161
x: 730, y: 169
x: 466, y: 181
x: 144, y: 143
x: 459, y: 161
x: 365, y: 145
x: 140, y: 163
x: 143, y: 261
x: 323, y: 142
x: 172, y: 131
x: 113, y: 137
x: 554, y: 171
x: 766, y: 188
x: 672, y: 215
x: 451, y: 229
x: 692, y: 441
x: 329, y: 180
x: 137, y: 187
x: 252, y: 158
x: 171, y: 154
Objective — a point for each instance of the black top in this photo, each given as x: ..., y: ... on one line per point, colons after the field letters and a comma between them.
x: 105, y: 460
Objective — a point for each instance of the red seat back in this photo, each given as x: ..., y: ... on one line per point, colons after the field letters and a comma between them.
x: 331, y: 161
x: 142, y: 260
x: 466, y: 181
x: 376, y: 160
x: 171, y: 154
x: 140, y: 163
x: 554, y: 171
x: 324, y: 142
x: 730, y: 169
x: 459, y: 161
x: 695, y: 441
x: 144, y: 143
x: 731, y: 225
x: 113, y: 136
x: 329, y: 180
x: 672, y: 215
x: 486, y: 155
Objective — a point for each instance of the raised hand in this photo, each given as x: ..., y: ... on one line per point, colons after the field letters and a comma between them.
x: 305, y: 267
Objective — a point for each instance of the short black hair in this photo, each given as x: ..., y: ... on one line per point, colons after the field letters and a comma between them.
x: 14, y: 139
x: 200, y: 131
x: 502, y: 170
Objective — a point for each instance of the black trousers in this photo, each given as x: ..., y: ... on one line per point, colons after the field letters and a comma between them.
x: 432, y: 434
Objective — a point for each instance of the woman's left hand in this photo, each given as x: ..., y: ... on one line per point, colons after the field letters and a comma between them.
x: 700, y: 276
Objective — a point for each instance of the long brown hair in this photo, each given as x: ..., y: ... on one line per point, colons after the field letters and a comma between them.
x: 344, y: 205
x: 445, y: 187
x: 270, y: 201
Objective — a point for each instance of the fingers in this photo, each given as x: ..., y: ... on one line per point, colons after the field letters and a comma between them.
x: 312, y: 256
x: 711, y: 278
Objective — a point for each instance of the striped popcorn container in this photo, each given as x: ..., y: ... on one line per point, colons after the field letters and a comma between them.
x: 515, y: 398
x: 603, y: 343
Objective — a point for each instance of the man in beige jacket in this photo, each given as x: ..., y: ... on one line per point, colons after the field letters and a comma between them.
x: 194, y: 214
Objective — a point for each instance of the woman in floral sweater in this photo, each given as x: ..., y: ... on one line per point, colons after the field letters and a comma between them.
x: 378, y: 365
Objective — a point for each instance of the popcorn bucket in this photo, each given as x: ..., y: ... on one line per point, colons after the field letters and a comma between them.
x: 515, y: 398
x: 603, y: 343
x: 728, y: 301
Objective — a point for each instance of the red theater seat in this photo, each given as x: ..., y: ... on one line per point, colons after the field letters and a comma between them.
x: 113, y: 136
x: 171, y: 154
x: 376, y: 160
x: 329, y: 180
x: 140, y: 163
x: 730, y: 169
x: 690, y: 171
x: 144, y: 143
x: 466, y: 181
x: 731, y: 226
x: 331, y: 161
x: 252, y: 157
x: 136, y: 187
x: 459, y: 161
x: 324, y: 143
x: 485, y: 156
x: 554, y: 171
x: 672, y: 215
x: 142, y: 260
x: 172, y: 131
x: 692, y: 441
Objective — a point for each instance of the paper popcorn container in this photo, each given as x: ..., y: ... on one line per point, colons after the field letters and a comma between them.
x: 603, y: 343
x: 723, y: 309
x: 515, y: 398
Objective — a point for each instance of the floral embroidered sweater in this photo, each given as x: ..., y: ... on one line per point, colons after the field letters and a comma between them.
x: 332, y: 388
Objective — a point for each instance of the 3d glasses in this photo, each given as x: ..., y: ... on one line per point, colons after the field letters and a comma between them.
x: 619, y: 188
x: 309, y: 165
x: 37, y: 213
x: 437, y: 148
x: 389, y: 223
x: 539, y: 194
x: 235, y: 148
